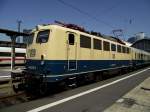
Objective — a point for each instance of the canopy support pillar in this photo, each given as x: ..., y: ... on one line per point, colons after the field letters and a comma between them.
x: 13, y: 41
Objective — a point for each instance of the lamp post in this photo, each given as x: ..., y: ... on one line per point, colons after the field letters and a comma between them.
x: 19, y: 29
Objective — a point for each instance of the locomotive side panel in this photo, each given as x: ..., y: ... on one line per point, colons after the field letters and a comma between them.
x: 68, y: 52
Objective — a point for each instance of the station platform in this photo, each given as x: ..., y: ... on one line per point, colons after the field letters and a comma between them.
x: 5, y: 75
x: 136, y: 100
x: 5, y: 81
x: 5, y: 86
x: 5, y: 72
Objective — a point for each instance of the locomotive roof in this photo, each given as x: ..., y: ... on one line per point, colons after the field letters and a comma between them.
x: 82, y: 29
x: 97, y: 34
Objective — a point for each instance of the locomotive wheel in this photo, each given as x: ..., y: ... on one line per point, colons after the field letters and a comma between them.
x: 43, y: 89
x: 98, y: 77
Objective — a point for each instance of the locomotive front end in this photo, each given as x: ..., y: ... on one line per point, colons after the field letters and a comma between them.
x: 37, y: 52
x: 37, y: 56
x: 34, y: 78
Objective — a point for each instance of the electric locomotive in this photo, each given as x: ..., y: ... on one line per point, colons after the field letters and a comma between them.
x: 66, y: 53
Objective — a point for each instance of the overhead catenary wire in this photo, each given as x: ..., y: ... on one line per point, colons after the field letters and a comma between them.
x: 85, y: 13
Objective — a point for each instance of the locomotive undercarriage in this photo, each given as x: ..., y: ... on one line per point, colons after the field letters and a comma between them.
x: 38, y: 85
x: 32, y: 84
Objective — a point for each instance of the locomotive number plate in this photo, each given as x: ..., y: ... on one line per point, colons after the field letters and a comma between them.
x: 32, y: 52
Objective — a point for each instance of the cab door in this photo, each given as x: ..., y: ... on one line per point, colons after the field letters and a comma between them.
x: 72, y: 51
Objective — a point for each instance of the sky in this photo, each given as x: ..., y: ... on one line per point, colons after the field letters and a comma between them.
x: 132, y: 16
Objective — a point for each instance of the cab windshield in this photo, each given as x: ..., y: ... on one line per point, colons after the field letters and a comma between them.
x: 43, y: 36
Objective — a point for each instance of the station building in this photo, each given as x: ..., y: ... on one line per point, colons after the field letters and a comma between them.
x: 140, y: 41
x: 143, y: 44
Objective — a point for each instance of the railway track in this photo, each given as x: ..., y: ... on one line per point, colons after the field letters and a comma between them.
x: 12, y: 100
x: 21, y: 94
x: 8, y: 97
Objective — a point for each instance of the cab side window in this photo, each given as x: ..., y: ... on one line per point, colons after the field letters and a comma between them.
x: 71, y: 39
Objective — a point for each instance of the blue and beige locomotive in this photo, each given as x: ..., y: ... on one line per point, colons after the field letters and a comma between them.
x: 67, y: 53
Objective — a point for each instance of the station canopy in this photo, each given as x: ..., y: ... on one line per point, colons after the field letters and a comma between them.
x: 12, y: 33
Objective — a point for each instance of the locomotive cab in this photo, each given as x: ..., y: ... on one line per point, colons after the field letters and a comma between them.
x: 38, y: 49
x: 51, y: 52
